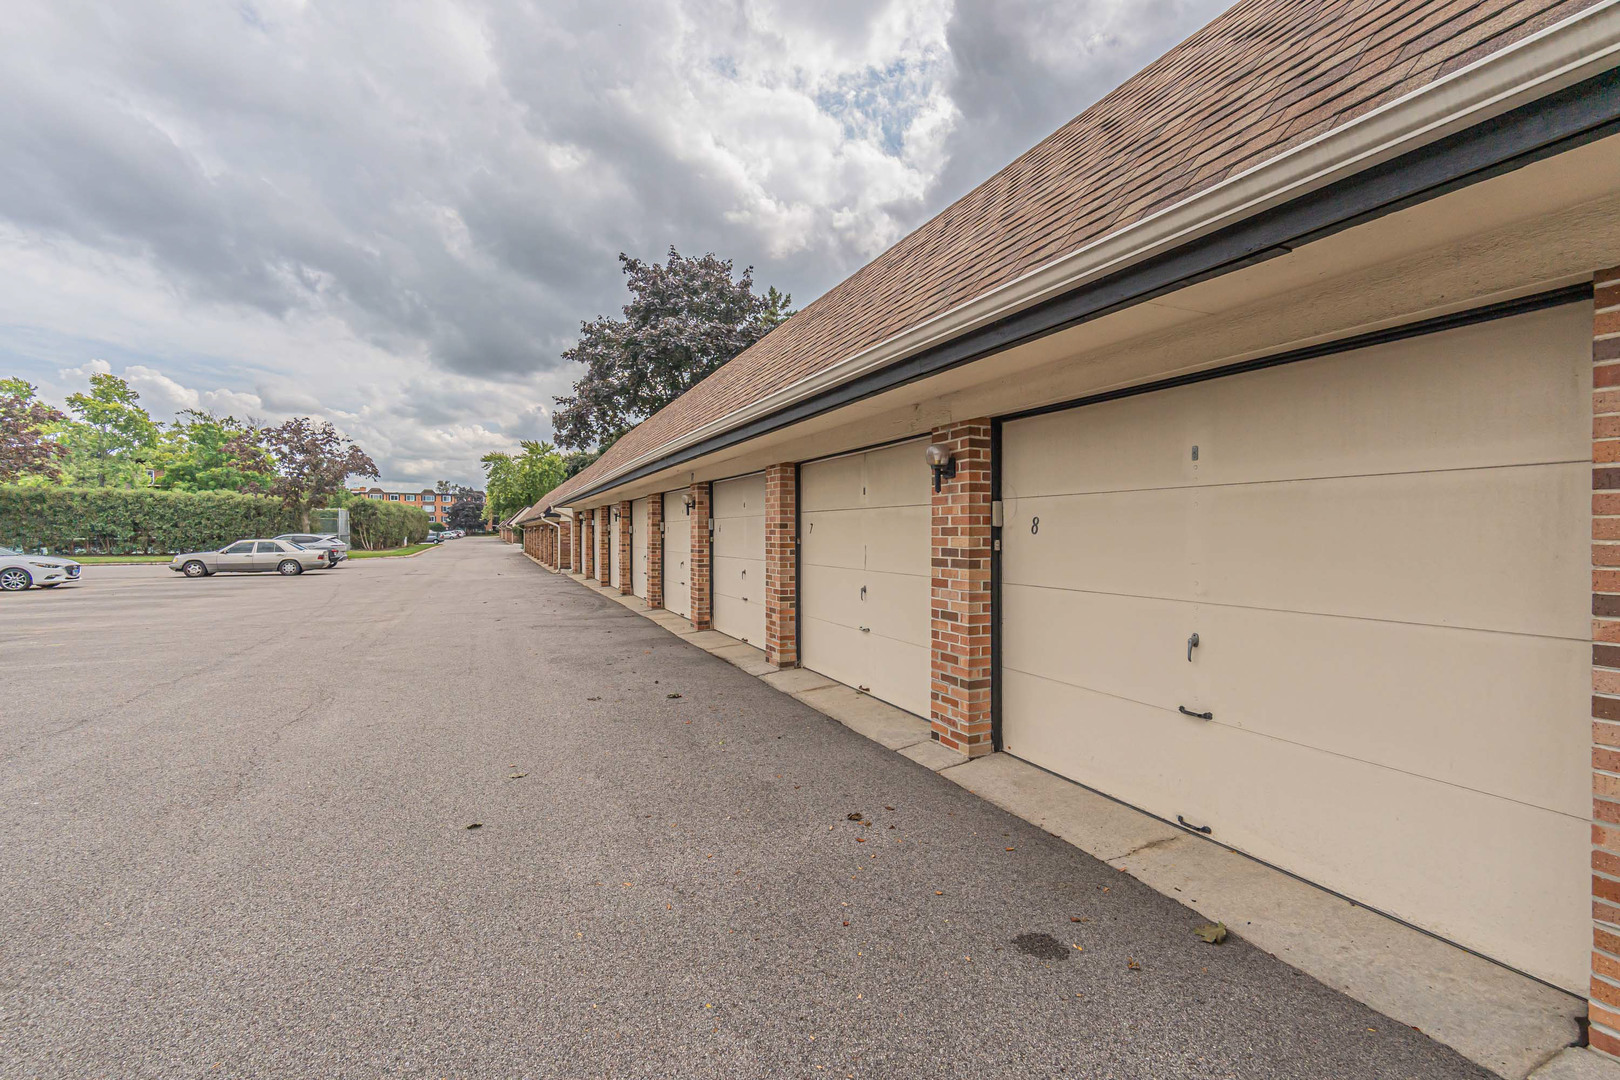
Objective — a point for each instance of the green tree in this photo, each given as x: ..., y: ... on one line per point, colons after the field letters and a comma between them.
x: 517, y: 483
x: 204, y: 452
x: 110, y: 441
x: 513, y: 483
x: 685, y: 319
x: 312, y: 463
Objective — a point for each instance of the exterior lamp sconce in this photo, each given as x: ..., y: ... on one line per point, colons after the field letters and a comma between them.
x: 688, y: 500
x: 940, y: 460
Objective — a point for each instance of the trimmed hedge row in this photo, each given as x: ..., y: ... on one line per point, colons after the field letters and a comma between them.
x: 376, y: 524
x: 145, y: 521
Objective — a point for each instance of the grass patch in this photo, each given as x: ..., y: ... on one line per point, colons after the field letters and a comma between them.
x: 114, y: 560
x: 390, y: 552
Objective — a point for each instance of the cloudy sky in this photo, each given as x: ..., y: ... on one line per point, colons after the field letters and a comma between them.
x: 396, y: 214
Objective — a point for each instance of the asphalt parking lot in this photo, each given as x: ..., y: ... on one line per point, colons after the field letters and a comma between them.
x: 236, y: 815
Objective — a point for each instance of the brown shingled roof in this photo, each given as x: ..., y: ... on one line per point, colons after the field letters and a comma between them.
x: 1263, y: 77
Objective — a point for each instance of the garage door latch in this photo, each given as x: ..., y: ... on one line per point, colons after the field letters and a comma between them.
x: 1195, y: 715
x: 1185, y: 824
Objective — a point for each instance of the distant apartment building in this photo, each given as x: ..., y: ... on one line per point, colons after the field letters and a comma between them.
x: 436, y: 505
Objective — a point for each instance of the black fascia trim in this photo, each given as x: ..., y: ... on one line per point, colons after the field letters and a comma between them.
x: 1560, y: 122
x: 1572, y: 294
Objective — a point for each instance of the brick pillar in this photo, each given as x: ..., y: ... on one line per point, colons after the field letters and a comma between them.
x: 702, y: 617
x: 565, y: 544
x: 781, y: 565
x: 1604, y: 1001
x: 587, y: 544
x: 626, y: 571
x: 655, y: 551
x: 604, y: 552
x: 960, y: 613
x: 578, y: 558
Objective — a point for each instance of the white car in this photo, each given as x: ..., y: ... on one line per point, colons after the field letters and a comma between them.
x: 19, y: 571
x: 336, y: 549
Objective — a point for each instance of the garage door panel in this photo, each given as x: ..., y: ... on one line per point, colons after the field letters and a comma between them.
x: 833, y: 594
x: 832, y: 538
x: 898, y: 476
x: 1123, y: 646
x: 744, y: 619
x: 677, y: 541
x: 897, y: 606
x: 837, y: 651
x: 897, y: 540
x: 1474, y: 709
x: 899, y: 673
x: 835, y: 484
x: 1135, y: 543
x: 740, y: 537
x: 742, y: 497
x: 1499, y: 393
x: 1489, y: 548
x: 641, y: 517
x: 1348, y: 825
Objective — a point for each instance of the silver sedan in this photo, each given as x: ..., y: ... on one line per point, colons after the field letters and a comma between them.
x: 19, y: 571
x: 250, y: 557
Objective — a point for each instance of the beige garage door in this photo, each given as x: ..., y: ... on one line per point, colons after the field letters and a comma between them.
x: 739, y: 558
x: 864, y: 565
x: 677, y: 554
x: 1384, y: 556
x: 638, y: 546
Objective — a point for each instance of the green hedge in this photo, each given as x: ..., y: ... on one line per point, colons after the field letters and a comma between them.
x: 120, y: 521
x: 377, y: 524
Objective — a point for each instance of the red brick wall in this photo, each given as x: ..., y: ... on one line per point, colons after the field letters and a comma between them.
x: 587, y: 543
x: 578, y: 554
x: 604, y: 553
x: 781, y: 565
x: 702, y: 616
x: 565, y: 544
x: 655, y: 551
x: 626, y: 571
x: 960, y: 613
x: 1604, y: 1005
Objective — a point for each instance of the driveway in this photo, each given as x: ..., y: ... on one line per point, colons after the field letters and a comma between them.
x: 235, y: 816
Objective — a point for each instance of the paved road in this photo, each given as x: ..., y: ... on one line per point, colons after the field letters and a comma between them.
x: 233, y: 815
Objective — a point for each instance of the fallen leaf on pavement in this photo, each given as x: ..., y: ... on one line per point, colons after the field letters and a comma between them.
x: 1214, y: 932
x: 888, y: 808
x: 1074, y: 918
x: 672, y: 696
x: 860, y: 839
x: 517, y: 776
x: 853, y: 817
x: 1132, y: 964
x: 476, y: 825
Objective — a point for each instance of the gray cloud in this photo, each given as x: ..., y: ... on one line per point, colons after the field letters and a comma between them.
x: 398, y: 215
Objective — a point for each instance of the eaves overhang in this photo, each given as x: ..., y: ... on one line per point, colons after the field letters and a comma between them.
x: 1551, y: 92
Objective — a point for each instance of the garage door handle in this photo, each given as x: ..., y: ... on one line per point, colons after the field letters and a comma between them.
x: 864, y: 629
x: 1184, y: 823
x: 1196, y: 715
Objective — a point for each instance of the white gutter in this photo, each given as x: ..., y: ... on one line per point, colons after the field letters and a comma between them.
x: 1541, y: 64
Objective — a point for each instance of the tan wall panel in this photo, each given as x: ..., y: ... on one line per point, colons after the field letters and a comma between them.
x: 1489, y: 872
x: 640, y: 515
x: 839, y: 652
x: 1503, y: 392
x: 835, y: 484
x: 677, y: 554
x: 1416, y: 547
x: 833, y: 538
x: 739, y: 558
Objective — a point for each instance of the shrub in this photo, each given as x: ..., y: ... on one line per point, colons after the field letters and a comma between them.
x: 121, y: 521
x: 376, y: 524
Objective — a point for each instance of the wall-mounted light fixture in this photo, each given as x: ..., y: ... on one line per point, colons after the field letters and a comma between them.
x: 940, y: 460
x: 688, y: 500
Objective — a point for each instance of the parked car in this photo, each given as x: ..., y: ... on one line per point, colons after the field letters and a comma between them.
x: 433, y: 538
x: 19, y: 571
x: 249, y: 557
x: 336, y: 550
